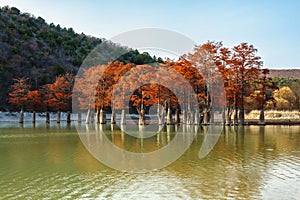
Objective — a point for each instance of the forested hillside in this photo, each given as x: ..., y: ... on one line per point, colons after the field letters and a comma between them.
x: 31, y: 48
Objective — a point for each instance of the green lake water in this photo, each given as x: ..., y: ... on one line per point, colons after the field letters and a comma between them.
x: 51, y: 162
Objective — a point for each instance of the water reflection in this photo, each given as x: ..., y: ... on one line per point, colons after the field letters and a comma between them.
x: 138, y: 149
x: 246, y: 163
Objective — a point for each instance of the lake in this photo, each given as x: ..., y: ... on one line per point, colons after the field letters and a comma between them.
x: 51, y: 162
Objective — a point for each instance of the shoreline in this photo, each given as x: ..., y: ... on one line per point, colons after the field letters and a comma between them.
x: 279, y: 122
x: 248, y: 122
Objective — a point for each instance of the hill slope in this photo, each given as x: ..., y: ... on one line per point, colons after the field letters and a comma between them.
x: 285, y: 73
x: 29, y: 47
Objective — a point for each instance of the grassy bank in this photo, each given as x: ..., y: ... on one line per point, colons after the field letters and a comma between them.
x: 274, y: 117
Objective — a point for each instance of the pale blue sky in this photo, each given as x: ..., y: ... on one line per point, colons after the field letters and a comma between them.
x: 273, y: 27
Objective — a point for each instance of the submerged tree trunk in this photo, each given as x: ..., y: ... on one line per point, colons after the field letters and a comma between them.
x: 21, y: 119
x: 141, y: 112
x: 206, y: 116
x: 58, y: 117
x: 160, y: 114
x: 184, y: 115
x: 242, y: 115
x: 236, y: 119
x: 98, y: 116
x: 33, y: 117
x: 196, y: 117
x: 211, y: 111
x: 211, y: 116
x: 228, y: 116
x: 68, y: 117
x: 190, y: 118
x: 102, y: 116
x: 79, y: 117
x: 242, y: 110
x: 113, y: 117
x: 47, y: 117
x: 262, y: 110
x: 169, y: 116
x: 177, y: 117
x: 92, y: 117
x: 141, y: 119
x: 224, y: 116
x: 123, y: 117
x: 88, y: 116
x: 262, y: 116
x: 236, y: 110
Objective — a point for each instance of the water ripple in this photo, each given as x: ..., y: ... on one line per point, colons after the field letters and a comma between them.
x: 245, y: 166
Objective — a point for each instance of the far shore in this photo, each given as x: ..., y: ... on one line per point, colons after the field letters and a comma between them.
x: 272, y: 117
x: 248, y: 122
x: 289, y: 122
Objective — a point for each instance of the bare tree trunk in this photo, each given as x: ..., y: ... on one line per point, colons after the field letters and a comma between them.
x: 123, y: 117
x: 102, y: 116
x: 189, y: 112
x: 97, y: 116
x: 201, y: 117
x: 190, y: 117
x: 141, y: 112
x: 211, y: 111
x: 224, y: 115
x: 262, y: 110
x: 160, y: 114
x: 113, y: 117
x: 196, y: 117
x: 47, y: 117
x: 58, y: 117
x: 177, y: 118
x: 206, y: 116
x: 262, y: 116
x: 169, y: 116
x: 236, y: 110
x: 236, y: 119
x: 88, y: 116
x: 211, y: 116
x: 242, y: 115
x: 21, y: 119
x: 184, y: 115
x: 33, y: 117
x: 242, y: 110
x: 228, y: 116
x: 79, y: 117
x: 68, y: 117
x: 92, y: 118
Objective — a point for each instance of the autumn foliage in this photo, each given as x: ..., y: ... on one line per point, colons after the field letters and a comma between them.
x: 19, y: 96
x: 50, y: 97
x: 233, y: 79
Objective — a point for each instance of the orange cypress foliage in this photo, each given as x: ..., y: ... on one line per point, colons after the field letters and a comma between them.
x: 59, y: 95
x: 246, y: 66
x: 186, y: 69
x: 85, y: 86
x: 35, y: 101
x: 19, y: 95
